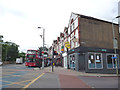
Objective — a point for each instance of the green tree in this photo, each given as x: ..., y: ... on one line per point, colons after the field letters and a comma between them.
x: 22, y: 54
x: 10, y: 51
x: 1, y: 41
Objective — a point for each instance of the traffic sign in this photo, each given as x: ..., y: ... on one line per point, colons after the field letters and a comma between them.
x: 114, y: 57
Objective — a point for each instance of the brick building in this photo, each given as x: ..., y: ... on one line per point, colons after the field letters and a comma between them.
x: 91, y: 45
x: 119, y: 20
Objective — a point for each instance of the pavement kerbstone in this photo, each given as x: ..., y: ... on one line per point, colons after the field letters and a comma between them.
x: 69, y: 71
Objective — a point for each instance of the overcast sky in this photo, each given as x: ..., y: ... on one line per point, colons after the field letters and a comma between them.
x: 19, y: 19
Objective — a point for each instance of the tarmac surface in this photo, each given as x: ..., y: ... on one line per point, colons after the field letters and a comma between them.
x: 0, y: 77
x: 20, y: 76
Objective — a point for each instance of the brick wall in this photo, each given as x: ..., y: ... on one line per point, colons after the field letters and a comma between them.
x: 97, y: 33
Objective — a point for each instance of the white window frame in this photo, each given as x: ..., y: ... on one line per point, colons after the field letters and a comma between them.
x: 112, y: 61
x: 95, y: 60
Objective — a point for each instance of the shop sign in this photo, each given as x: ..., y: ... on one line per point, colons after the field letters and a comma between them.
x: 114, y: 57
x: 62, y: 48
x: 73, y: 50
x: 67, y: 45
x: 102, y: 50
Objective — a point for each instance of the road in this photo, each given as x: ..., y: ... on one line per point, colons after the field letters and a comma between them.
x: 0, y: 77
x: 20, y: 76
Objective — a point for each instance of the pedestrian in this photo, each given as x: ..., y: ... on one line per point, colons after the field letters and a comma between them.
x: 39, y: 64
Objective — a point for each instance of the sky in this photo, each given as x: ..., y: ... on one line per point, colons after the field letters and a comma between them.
x: 20, y: 19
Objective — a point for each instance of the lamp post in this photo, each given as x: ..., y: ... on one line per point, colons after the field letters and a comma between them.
x: 115, y: 44
x: 43, y: 45
x: 52, y: 58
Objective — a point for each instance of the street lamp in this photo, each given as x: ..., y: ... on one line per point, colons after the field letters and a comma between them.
x: 115, y: 44
x: 43, y: 44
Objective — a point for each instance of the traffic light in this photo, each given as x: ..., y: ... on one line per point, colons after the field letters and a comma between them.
x: 55, y: 53
x: 40, y: 54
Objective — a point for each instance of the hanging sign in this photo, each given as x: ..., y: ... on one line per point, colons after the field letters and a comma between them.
x: 67, y: 45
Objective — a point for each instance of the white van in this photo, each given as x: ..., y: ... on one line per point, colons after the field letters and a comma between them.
x: 1, y: 63
x: 19, y: 60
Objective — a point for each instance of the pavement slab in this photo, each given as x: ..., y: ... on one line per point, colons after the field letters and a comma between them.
x: 69, y: 81
x: 100, y: 82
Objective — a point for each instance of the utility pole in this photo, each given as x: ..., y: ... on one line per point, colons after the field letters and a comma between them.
x: 115, y: 45
x: 43, y: 46
x: 52, y: 59
x: 67, y: 60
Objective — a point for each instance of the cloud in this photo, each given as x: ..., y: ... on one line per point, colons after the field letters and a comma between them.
x: 19, y: 19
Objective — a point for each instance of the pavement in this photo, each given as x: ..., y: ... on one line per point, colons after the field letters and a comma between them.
x: 65, y: 71
x: 75, y: 79
x: 20, y: 76
x: 0, y: 77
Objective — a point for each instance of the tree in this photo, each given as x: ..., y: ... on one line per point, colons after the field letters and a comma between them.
x: 22, y: 54
x: 10, y: 51
x: 1, y: 41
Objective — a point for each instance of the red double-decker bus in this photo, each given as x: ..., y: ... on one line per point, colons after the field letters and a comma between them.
x: 33, y: 59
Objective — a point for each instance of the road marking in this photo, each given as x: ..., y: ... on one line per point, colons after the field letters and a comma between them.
x: 32, y: 81
x: 18, y: 83
x: 11, y: 83
x: 4, y: 73
x: 11, y: 76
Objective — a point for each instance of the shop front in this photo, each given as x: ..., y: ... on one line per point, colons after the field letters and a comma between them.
x: 64, y: 55
x: 94, y: 60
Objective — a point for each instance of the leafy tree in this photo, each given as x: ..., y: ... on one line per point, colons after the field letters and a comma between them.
x: 22, y: 54
x: 10, y: 51
x: 1, y: 47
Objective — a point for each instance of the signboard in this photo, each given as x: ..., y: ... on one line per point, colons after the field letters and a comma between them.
x: 115, y: 44
x: 114, y: 57
x: 62, y: 48
x: 97, y: 50
x: 104, y: 50
x: 67, y: 45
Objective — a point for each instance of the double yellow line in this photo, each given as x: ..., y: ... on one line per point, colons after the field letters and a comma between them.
x: 32, y: 81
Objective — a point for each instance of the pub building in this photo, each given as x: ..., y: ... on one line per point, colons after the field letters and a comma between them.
x: 92, y: 47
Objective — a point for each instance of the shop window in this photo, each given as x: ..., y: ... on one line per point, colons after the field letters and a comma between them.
x: 111, y: 61
x: 91, y: 61
x: 95, y: 61
x: 98, y: 61
x: 72, y: 61
x: 73, y: 58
